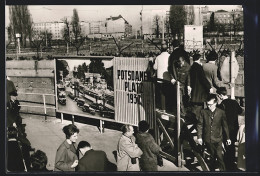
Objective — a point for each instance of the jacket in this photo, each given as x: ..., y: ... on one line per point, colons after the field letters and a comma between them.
x: 93, y: 161
x: 211, y: 74
x: 126, y: 150
x: 199, y: 84
x: 148, y: 161
x: 15, y: 161
x: 65, y: 157
x: 211, y: 129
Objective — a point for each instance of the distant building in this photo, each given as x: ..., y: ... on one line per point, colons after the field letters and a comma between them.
x: 113, y: 26
x: 53, y: 27
x: 118, y: 26
x: 226, y: 17
x: 85, y: 27
x: 148, y: 22
x: 222, y: 16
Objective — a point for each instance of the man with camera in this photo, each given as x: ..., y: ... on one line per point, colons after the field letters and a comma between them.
x: 127, y: 151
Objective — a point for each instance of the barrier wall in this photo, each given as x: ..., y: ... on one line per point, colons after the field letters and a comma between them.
x: 33, y: 79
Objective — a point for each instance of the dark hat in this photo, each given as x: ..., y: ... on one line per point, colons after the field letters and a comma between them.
x: 196, y: 57
x: 222, y: 91
x: 143, y: 126
x: 212, y: 56
x: 175, y: 43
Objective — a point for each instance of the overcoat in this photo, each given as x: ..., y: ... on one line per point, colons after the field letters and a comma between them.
x: 126, y: 150
x: 148, y: 161
x: 199, y: 84
x: 65, y: 157
x: 93, y: 161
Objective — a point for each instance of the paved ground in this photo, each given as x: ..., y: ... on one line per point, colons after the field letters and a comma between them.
x: 47, y: 136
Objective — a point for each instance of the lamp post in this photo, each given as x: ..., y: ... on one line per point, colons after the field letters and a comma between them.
x: 18, y: 44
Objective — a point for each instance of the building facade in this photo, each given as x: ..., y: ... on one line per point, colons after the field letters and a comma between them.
x: 113, y: 26
x: 55, y: 28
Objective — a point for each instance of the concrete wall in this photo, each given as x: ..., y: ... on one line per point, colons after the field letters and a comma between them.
x: 32, y: 79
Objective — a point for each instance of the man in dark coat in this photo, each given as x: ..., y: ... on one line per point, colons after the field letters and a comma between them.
x: 10, y: 93
x: 91, y: 160
x: 232, y: 110
x: 146, y: 142
x: 212, y: 122
x: 15, y: 161
x: 199, y: 85
x: 181, y: 73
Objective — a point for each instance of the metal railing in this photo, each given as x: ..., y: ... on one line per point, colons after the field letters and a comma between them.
x: 44, y: 105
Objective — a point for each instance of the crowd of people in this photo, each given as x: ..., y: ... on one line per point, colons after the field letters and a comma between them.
x: 205, y: 95
x: 216, y: 117
x: 133, y: 153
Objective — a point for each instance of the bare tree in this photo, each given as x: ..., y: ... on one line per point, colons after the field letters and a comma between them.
x: 177, y: 19
x: 74, y: 35
x: 37, y: 40
x: 236, y: 23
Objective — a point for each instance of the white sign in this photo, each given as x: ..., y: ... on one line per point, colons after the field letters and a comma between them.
x: 18, y: 35
x: 193, y: 37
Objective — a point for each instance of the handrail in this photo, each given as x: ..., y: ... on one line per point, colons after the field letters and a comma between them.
x: 44, y: 106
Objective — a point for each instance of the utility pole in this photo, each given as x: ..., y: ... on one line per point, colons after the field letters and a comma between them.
x: 141, y: 13
x: 45, y: 34
x: 162, y: 28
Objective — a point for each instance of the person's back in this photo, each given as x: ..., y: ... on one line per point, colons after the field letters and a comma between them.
x: 232, y: 110
x: 15, y: 161
x: 210, y: 70
x: 93, y: 161
x: 200, y: 86
x: 146, y: 142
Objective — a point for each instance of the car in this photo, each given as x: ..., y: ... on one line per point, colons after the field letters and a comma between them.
x: 86, y: 108
x: 71, y: 95
x: 106, y: 112
x: 62, y: 98
x: 97, y: 107
x: 80, y: 102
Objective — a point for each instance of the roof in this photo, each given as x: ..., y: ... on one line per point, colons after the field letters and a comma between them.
x: 221, y: 11
x: 116, y: 18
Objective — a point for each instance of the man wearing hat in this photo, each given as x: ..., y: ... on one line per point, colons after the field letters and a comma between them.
x: 160, y: 65
x: 211, y: 70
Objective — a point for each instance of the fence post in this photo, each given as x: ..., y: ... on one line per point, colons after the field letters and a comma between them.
x: 44, y: 105
x: 73, y: 119
x: 101, y: 123
x: 61, y: 118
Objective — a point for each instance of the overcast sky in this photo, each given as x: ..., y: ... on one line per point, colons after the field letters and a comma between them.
x: 45, y: 13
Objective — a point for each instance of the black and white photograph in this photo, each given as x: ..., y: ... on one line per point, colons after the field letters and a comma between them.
x: 108, y: 88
